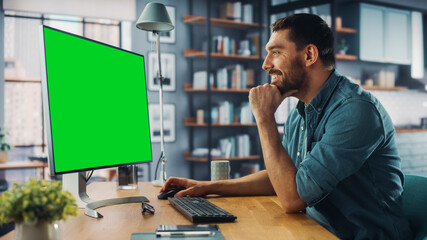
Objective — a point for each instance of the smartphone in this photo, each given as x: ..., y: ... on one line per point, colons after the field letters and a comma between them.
x: 185, y: 228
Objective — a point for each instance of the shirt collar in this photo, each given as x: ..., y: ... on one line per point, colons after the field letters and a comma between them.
x: 319, y: 101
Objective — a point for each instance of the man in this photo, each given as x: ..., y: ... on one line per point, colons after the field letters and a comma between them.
x: 337, y: 161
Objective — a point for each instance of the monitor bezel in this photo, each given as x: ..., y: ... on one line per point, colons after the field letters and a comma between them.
x: 46, y: 106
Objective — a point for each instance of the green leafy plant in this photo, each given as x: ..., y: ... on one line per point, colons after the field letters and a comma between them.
x: 35, y: 201
x: 3, y: 145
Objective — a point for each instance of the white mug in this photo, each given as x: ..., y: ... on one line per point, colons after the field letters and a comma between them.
x: 220, y: 170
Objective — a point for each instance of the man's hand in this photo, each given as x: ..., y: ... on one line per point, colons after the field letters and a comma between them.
x: 264, y: 100
x: 193, y: 188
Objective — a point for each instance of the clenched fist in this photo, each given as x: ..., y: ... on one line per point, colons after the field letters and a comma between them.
x: 265, y: 99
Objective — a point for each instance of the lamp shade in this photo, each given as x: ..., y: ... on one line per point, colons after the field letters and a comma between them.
x: 155, y: 18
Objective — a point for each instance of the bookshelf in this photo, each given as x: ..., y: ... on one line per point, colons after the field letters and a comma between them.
x: 188, y: 87
x: 188, y: 157
x: 219, y: 22
x: 201, y: 54
x: 192, y: 122
x: 229, y: 64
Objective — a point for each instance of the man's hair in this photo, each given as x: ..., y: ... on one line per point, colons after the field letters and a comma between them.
x: 307, y: 29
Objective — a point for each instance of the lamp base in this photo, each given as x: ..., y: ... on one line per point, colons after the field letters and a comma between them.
x: 158, y: 183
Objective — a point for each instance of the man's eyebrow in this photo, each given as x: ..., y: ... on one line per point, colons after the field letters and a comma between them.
x: 269, y: 48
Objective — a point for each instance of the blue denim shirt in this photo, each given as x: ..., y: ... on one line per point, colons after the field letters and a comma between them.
x: 350, y: 176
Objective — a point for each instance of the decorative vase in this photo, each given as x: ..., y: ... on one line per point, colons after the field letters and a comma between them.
x: 40, y: 231
x: 4, y: 155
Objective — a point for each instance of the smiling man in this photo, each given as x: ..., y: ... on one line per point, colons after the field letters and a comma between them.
x: 337, y: 160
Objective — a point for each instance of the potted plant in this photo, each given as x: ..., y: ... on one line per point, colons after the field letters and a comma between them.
x: 36, y: 207
x: 4, y: 147
x: 343, y: 46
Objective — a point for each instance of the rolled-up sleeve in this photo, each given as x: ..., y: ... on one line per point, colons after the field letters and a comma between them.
x: 352, y: 132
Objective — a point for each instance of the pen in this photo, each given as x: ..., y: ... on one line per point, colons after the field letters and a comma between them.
x: 185, y: 234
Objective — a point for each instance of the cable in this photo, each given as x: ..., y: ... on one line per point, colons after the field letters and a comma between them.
x: 157, y: 166
x: 90, y: 175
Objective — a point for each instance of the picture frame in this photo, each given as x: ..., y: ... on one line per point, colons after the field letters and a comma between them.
x: 166, y: 37
x: 168, y: 122
x: 168, y: 71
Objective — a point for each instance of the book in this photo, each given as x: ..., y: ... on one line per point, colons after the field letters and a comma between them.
x: 200, y: 80
x: 248, y: 13
x: 227, y: 10
x: 237, y: 11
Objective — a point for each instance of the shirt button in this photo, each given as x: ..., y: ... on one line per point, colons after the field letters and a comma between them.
x: 298, y: 154
x: 302, y: 128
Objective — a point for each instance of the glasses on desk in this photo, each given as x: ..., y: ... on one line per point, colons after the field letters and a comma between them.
x: 147, y: 208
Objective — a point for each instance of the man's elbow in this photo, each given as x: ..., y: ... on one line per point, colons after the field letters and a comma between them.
x: 294, y: 206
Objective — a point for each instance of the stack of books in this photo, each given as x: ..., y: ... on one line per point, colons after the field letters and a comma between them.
x: 226, y: 113
x: 236, y: 146
x: 237, y: 12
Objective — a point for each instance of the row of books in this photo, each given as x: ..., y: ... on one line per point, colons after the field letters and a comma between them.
x: 232, y: 76
x: 235, y: 146
x: 227, y: 45
x: 226, y: 113
x: 237, y: 12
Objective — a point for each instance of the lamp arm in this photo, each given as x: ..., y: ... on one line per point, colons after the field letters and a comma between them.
x: 162, y: 159
x: 162, y: 147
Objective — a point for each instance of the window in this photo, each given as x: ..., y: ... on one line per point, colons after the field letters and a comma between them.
x: 23, y: 99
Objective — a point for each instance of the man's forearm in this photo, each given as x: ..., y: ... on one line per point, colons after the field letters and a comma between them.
x: 280, y: 168
x: 254, y: 184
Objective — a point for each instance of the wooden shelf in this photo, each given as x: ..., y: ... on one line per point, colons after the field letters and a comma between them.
x: 345, y: 30
x: 25, y: 79
x: 188, y: 87
x: 219, y: 22
x: 22, y: 165
x: 410, y: 130
x: 202, y: 54
x: 378, y: 88
x: 345, y: 57
x: 188, y: 157
x: 192, y: 122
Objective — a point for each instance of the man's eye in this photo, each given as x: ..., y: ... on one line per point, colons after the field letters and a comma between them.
x: 275, y: 53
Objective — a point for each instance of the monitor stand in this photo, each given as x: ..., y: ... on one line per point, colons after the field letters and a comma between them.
x: 75, y: 183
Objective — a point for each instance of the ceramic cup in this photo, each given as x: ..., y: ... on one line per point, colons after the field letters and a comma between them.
x: 220, y: 170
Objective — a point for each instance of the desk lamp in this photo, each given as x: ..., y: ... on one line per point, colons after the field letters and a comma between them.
x: 154, y: 18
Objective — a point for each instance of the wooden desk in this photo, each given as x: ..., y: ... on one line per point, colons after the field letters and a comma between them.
x: 257, y: 218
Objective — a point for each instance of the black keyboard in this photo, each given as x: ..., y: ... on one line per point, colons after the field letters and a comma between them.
x: 200, y: 210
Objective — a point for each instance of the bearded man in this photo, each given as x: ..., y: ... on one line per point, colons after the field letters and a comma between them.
x: 337, y: 160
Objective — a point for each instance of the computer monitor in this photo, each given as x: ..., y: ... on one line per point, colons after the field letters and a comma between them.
x: 95, y: 106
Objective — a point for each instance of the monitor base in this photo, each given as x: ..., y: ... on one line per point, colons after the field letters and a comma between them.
x: 75, y: 183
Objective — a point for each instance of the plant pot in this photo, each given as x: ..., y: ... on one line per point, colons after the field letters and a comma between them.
x: 40, y: 231
x: 4, y: 155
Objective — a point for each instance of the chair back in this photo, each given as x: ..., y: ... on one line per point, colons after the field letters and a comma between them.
x: 415, y: 204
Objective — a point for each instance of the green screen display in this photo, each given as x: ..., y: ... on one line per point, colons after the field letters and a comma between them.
x: 97, y: 104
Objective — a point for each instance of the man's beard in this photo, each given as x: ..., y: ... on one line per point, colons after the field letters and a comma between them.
x: 295, y: 78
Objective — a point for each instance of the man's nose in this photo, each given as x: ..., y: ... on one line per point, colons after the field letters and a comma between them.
x: 267, y: 63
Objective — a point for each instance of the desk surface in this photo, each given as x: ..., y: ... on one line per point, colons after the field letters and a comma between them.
x: 257, y: 217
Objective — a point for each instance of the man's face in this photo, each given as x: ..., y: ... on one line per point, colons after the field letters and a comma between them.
x: 284, y: 63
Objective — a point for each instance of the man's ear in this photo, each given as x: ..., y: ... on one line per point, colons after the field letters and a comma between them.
x: 311, y: 54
